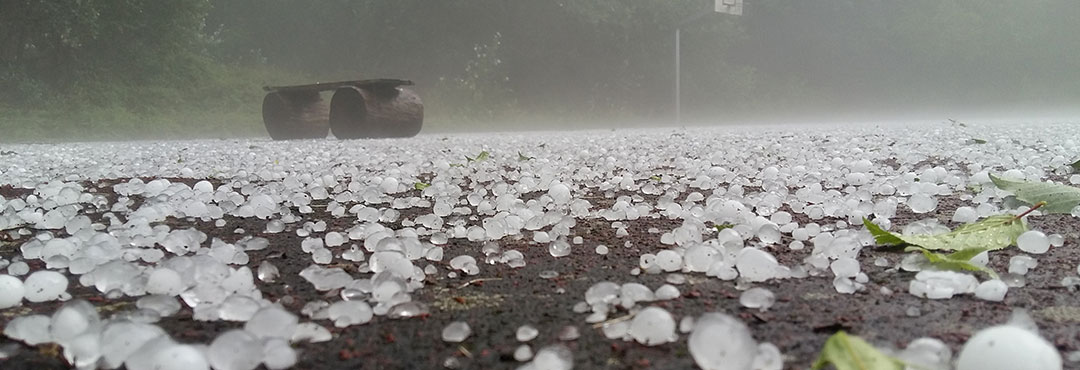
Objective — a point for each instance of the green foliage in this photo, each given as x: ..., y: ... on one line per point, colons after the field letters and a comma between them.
x: 959, y: 260
x: 181, y: 66
x: 656, y: 178
x: 992, y: 233
x: 1058, y: 198
x: 847, y: 352
x: 979, y: 141
x: 421, y: 185
x: 522, y: 157
x: 723, y: 226
x: 483, y: 156
x: 1075, y: 166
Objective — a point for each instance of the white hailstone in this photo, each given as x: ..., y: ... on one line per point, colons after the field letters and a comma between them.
x: 267, y: 272
x: 756, y: 265
x: 526, y: 333
x: 768, y: 233
x: 541, y: 237
x: 310, y: 244
x: 965, y: 215
x: 144, y: 358
x: 604, y: 292
x: 553, y: 357
x: 559, y: 248
x: 667, y: 292
x: 31, y: 329
x: 322, y: 256
x: 1021, y: 264
x: 860, y: 165
x: 844, y: 285
x: 699, y: 257
x: 992, y: 290
x: 922, y: 203
x: 456, y: 332
x: 389, y: 185
x: 927, y: 353
x: 846, y: 267
x: 162, y: 304
x: 19, y: 268
x: 569, y: 333
x: 523, y: 353
x: 721, y: 342
x: 179, y: 357
x: 796, y: 245
x: 466, y: 264
x: 601, y: 249
x: 723, y: 270
x: 237, y: 308
x: 310, y: 332
x: 235, y: 349
x: 164, y: 280
x: 768, y: 358
x: 11, y: 291
x: 647, y: 262
x: 345, y: 313
x: 278, y: 354
x: 559, y: 193
x: 1008, y: 347
x: 406, y: 310
x: 334, y: 239
x: 653, y: 326
x: 275, y: 226
x: 44, y: 285
x: 631, y: 293
x: 272, y: 322
x: 616, y: 330
x: 686, y: 324
x: 1056, y: 240
x: 669, y: 260
x: 800, y: 234
x: 121, y: 339
x: 941, y: 284
x: 676, y: 279
x: 1033, y: 241
x: 759, y: 298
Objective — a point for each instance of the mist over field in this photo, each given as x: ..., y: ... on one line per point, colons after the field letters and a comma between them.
x: 76, y: 70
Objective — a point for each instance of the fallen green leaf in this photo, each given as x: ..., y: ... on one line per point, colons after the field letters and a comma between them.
x: 522, y: 157
x: 992, y: 233
x: 655, y: 178
x: 721, y: 227
x: 1058, y: 198
x: 979, y: 141
x: 959, y: 260
x: 1075, y: 165
x: 421, y: 185
x: 847, y: 352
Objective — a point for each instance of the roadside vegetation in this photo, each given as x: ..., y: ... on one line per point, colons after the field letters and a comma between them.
x: 77, y: 70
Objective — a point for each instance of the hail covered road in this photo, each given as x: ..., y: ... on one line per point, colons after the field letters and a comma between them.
x: 719, y: 248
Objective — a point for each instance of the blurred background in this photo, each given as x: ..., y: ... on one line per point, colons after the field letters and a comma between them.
x: 116, y: 69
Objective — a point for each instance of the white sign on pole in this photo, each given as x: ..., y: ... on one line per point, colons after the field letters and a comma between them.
x: 733, y: 7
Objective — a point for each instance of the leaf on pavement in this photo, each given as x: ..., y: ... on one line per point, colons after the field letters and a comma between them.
x: 1058, y: 198
x: 959, y: 260
x: 847, y: 352
x: 994, y: 232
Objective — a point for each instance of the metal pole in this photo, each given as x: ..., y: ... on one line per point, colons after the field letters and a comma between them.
x: 678, y: 80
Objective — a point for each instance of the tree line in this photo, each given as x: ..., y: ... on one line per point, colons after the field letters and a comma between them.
x: 476, y: 60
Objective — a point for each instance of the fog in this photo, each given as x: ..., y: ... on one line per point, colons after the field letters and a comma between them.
x: 485, y: 65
